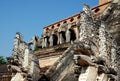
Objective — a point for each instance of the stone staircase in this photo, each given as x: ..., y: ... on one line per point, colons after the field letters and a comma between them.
x: 63, y: 68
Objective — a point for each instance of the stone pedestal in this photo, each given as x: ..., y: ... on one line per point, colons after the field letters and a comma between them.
x: 88, y: 74
x: 18, y: 77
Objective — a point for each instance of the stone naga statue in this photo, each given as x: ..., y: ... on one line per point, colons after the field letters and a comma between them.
x: 87, y: 10
x: 86, y: 20
x: 23, y: 63
x: 97, y: 52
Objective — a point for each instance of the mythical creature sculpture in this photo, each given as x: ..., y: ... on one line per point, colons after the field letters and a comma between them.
x: 23, y: 63
x: 87, y: 27
x: 36, y: 41
x: 61, y: 33
x: 68, y: 33
x: 51, y: 39
x: 45, y: 39
x: 96, y: 50
x: 87, y: 10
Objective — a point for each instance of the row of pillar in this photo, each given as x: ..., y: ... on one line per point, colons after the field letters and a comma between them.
x: 59, y: 38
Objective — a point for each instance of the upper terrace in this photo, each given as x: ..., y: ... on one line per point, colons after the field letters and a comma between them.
x: 72, y: 19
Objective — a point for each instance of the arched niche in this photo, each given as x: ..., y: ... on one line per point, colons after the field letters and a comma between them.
x: 63, y: 35
x: 55, y: 39
x: 72, y: 35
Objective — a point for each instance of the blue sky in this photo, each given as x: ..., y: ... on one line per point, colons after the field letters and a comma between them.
x: 30, y: 16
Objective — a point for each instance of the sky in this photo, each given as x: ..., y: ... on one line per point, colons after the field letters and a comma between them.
x: 30, y: 16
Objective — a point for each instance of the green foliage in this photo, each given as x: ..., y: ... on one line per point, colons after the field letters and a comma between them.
x: 2, y: 60
x: 36, y: 48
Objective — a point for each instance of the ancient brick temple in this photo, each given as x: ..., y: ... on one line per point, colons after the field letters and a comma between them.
x: 82, y: 47
x: 57, y: 32
x: 91, y: 38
